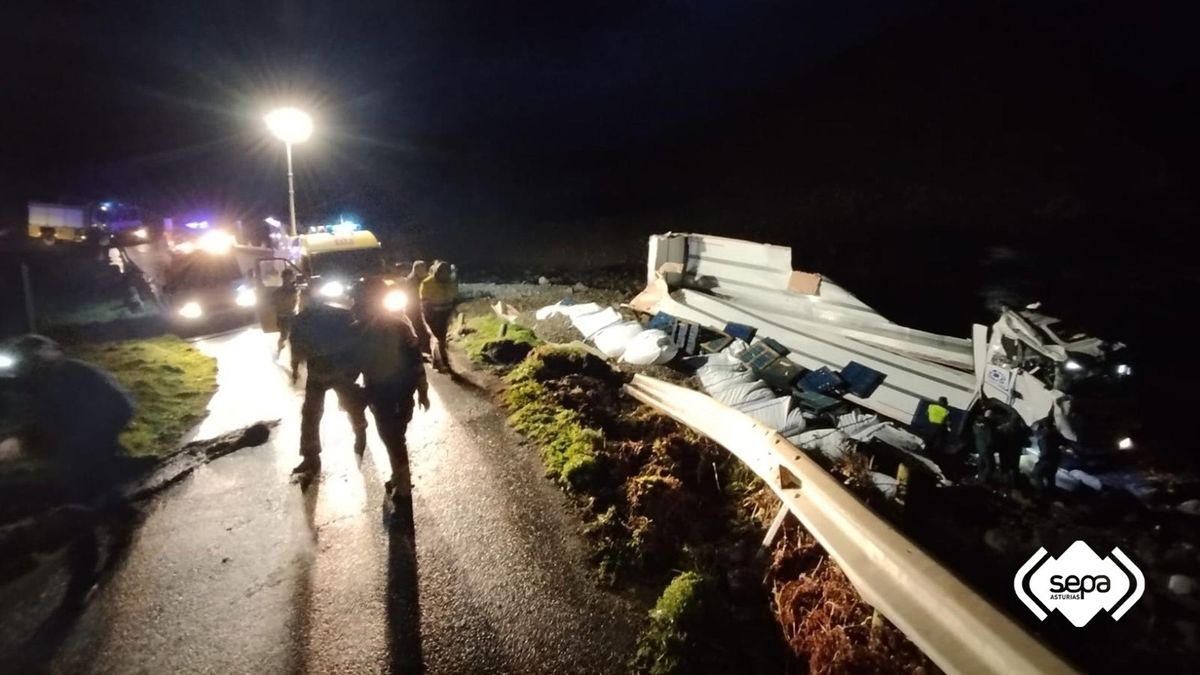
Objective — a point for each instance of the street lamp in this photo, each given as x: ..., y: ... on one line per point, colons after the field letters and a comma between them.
x: 290, y: 125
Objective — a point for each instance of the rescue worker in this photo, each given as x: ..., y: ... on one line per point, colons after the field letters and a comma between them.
x: 325, y: 339
x: 1050, y: 451
x: 439, y: 291
x: 284, y: 300
x: 74, y: 413
x: 938, y: 416
x: 1009, y: 440
x: 984, y: 431
x: 393, y: 372
x: 416, y: 318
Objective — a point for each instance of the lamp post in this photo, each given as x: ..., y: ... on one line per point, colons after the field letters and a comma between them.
x: 290, y: 125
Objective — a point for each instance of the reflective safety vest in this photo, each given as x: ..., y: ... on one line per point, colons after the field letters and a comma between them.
x: 439, y: 295
x: 937, y: 414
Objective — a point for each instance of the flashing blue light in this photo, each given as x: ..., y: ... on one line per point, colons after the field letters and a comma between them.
x: 197, y: 225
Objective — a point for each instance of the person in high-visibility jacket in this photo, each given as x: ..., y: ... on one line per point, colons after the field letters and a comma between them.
x: 416, y: 317
x: 938, y: 416
x: 439, y: 292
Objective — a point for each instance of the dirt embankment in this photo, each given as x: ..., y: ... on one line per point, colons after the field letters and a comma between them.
x: 672, y: 514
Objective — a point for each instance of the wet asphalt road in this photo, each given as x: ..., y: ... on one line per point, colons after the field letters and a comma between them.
x: 239, y: 570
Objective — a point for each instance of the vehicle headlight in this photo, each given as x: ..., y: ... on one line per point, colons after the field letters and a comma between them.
x: 1125, y: 444
x: 246, y: 297
x: 332, y: 289
x: 141, y: 233
x: 191, y: 310
x: 1124, y: 370
x: 395, y: 300
x: 7, y: 361
x: 185, y: 247
x: 1073, y: 366
x: 215, y: 242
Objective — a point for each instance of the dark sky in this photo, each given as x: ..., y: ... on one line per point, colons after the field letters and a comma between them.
x: 160, y: 102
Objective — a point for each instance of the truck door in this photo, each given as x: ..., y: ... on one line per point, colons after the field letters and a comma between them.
x: 268, y: 279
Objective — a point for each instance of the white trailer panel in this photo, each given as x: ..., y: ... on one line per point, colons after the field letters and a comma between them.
x: 55, y: 215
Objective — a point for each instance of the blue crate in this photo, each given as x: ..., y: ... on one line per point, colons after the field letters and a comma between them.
x: 861, y: 380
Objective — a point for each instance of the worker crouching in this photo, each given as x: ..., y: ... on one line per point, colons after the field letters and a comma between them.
x: 393, y: 375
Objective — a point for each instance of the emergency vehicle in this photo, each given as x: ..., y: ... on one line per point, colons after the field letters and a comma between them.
x: 327, y: 264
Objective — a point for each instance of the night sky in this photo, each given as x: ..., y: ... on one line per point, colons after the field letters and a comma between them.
x: 491, y: 104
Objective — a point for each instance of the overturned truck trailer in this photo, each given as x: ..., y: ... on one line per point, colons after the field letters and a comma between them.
x: 1023, y: 362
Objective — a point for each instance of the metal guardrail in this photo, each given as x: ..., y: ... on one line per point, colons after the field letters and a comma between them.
x: 956, y: 628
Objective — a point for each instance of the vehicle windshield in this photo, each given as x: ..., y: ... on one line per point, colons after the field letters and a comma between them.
x: 201, y: 271
x: 355, y: 263
x: 1063, y: 331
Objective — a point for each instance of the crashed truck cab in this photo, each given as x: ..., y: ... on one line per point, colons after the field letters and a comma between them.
x: 1036, y: 362
x: 327, y: 266
x: 1026, y: 364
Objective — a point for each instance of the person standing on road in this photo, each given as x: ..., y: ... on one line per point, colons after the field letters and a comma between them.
x: 439, y: 292
x: 325, y: 339
x: 938, y: 416
x: 984, y: 432
x: 416, y: 317
x: 393, y: 372
x: 284, y: 300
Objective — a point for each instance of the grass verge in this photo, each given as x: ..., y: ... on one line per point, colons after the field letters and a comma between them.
x: 485, y: 335
x: 171, y: 383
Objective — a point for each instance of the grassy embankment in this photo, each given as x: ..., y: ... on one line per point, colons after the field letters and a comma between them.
x: 171, y: 383
x: 664, y: 508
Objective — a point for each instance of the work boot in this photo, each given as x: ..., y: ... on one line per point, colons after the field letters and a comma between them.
x: 309, y: 466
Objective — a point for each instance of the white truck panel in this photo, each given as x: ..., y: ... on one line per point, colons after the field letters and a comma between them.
x: 55, y: 215
x: 908, y: 382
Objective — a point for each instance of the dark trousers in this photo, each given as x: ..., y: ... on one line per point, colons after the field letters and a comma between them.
x: 417, y: 318
x: 392, y: 405
x: 322, y: 378
x: 1046, y: 467
x: 284, y: 321
x: 984, y: 450
x: 1010, y: 456
x: 438, y: 321
x: 935, y: 439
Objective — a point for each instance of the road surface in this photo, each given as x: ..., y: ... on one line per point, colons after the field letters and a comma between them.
x: 239, y: 570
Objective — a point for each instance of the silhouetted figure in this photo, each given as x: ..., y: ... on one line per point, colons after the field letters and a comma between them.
x: 416, y: 317
x: 439, y: 292
x: 324, y: 338
x: 393, y: 372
